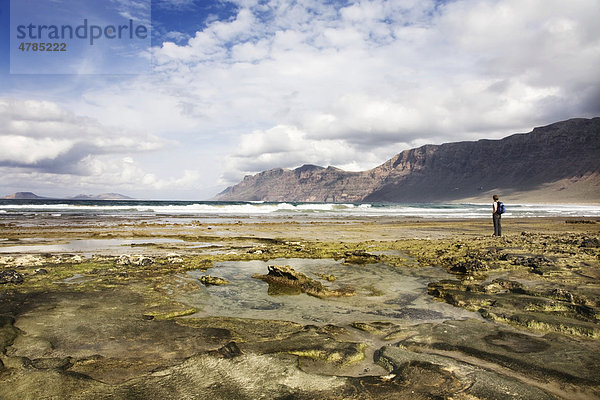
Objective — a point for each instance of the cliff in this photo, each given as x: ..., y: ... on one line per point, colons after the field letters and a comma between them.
x: 556, y: 163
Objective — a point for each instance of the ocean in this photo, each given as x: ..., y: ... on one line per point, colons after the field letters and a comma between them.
x: 210, y: 209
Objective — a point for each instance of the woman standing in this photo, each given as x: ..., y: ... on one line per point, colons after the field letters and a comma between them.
x: 496, y: 216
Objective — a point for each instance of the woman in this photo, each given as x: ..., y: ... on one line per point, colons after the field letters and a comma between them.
x: 496, y: 216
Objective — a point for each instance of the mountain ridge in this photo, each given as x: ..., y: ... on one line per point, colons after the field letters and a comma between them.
x: 560, y: 160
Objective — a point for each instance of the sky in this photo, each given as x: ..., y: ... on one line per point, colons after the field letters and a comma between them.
x: 237, y: 87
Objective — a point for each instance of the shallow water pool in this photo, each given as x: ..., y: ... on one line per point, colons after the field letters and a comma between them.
x: 383, y: 293
x: 88, y: 247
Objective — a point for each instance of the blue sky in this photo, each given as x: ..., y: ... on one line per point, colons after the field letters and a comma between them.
x: 240, y: 86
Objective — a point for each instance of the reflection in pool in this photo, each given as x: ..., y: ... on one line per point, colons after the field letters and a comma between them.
x: 383, y: 293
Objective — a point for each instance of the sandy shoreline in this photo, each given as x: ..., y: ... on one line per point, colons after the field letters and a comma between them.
x: 108, y: 308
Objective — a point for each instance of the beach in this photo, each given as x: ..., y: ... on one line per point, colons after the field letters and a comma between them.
x: 138, y: 304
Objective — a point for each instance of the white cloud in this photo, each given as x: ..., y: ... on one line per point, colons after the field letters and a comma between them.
x: 381, y: 73
x: 288, y: 147
x: 22, y: 150
x: 44, y: 145
x: 41, y: 135
x: 126, y: 173
x: 281, y: 84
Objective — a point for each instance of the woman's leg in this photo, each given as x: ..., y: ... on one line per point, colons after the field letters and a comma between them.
x: 499, y: 225
x: 497, y: 230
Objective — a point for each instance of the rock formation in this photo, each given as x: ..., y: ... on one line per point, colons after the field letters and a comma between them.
x: 287, y: 277
x: 208, y: 280
x: 561, y: 160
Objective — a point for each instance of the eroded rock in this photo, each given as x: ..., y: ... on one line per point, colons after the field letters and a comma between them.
x: 479, y: 354
x: 590, y: 242
x: 508, y: 301
x: 361, y: 257
x: 135, y: 260
x: 286, y: 276
x: 10, y: 276
x: 213, y: 280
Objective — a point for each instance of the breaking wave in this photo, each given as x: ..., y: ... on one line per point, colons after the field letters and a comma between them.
x: 178, y: 208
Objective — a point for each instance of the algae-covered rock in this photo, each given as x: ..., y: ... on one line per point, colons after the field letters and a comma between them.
x: 213, y: 280
x: 286, y: 276
x: 313, y: 343
x: 508, y: 301
x: 375, y: 327
x: 361, y: 257
x: 468, y: 266
x: 327, y: 277
x: 538, y: 264
x: 590, y: 242
x: 10, y: 276
x: 479, y: 354
x: 135, y: 260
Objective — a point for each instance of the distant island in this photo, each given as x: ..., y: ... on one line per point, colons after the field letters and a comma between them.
x: 102, y: 196
x: 23, y: 196
x: 552, y: 164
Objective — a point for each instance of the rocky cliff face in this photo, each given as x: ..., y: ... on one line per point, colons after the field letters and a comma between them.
x: 561, y: 161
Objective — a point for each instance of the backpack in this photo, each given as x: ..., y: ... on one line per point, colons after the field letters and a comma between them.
x: 501, y: 209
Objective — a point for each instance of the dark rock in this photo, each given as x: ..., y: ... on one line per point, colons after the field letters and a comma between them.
x: 539, y: 264
x: 10, y: 276
x: 562, y: 294
x: 230, y: 350
x: 590, y: 243
x: 360, y: 257
x: 145, y: 261
x: 376, y: 327
x: 503, y: 286
x: 409, y: 313
x: 41, y: 271
x: 52, y: 363
x: 287, y: 277
x: 468, y: 267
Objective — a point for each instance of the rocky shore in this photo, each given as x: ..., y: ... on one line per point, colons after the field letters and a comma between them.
x: 124, y: 323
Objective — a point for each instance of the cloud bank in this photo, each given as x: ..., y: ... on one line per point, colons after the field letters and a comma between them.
x: 350, y: 84
x: 44, y: 145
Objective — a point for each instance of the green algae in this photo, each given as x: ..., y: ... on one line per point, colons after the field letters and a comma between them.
x: 332, y: 357
x: 175, y: 314
x: 534, y: 281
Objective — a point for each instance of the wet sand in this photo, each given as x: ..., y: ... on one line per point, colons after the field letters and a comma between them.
x: 114, y: 307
